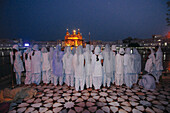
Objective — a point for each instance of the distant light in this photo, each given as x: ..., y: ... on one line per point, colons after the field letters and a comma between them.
x: 26, y: 44
x: 165, y: 43
x: 131, y: 51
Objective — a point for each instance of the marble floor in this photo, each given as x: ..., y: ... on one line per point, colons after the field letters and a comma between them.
x: 114, y: 99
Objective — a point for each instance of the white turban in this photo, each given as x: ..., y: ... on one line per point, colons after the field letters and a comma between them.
x: 97, y: 50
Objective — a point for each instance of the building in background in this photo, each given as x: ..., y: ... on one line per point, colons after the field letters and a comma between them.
x: 74, y: 40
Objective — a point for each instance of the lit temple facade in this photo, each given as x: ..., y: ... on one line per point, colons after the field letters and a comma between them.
x: 73, y: 40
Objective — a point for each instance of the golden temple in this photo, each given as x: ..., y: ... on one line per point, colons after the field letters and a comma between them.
x: 73, y: 40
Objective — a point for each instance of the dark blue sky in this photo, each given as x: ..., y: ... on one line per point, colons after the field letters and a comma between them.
x: 107, y: 20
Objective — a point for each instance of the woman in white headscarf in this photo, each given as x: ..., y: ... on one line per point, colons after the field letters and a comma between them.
x: 78, y: 64
x: 113, y: 57
x: 150, y: 63
x: 129, y: 68
x: 16, y: 61
x: 97, y: 62
x: 45, y: 66
x: 68, y: 67
x: 119, y: 63
x: 158, y: 63
x: 88, y: 75
x: 107, y: 66
x: 137, y: 58
x: 36, y: 57
x: 27, y: 59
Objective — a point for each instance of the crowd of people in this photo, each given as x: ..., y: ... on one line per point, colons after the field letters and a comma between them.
x: 85, y: 67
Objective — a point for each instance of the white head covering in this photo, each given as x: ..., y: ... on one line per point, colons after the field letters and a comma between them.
x: 127, y: 51
x: 51, y: 49
x: 97, y: 50
x: 92, y: 47
x: 44, y: 50
x: 16, y: 47
x: 28, y: 50
x: 159, y: 50
x: 135, y: 51
x: 87, y: 48
x: 107, y: 48
x: 121, y: 51
x: 152, y: 51
x: 114, y: 47
x: 35, y: 47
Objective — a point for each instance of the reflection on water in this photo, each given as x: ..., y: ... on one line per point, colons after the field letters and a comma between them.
x: 5, y: 67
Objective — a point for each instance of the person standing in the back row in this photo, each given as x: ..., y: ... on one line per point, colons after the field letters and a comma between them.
x: 16, y: 61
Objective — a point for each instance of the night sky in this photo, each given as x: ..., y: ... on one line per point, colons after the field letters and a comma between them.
x: 106, y: 20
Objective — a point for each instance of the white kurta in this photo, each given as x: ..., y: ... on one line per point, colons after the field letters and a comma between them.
x: 129, y: 70
x: 150, y: 65
x: 17, y: 65
x: 36, y: 62
x: 68, y: 69
x: 79, y: 71
x: 46, y: 68
x: 88, y: 69
x: 137, y: 62
x: 159, y: 66
x: 97, y: 71
x: 36, y: 67
x: 119, y: 66
x: 108, y: 68
x: 113, y: 57
x: 28, y: 68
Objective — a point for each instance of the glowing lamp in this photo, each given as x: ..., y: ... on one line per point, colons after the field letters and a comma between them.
x: 26, y: 44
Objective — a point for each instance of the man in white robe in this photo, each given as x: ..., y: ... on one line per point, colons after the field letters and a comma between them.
x: 150, y: 66
x: 36, y: 57
x: 88, y: 74
x: 68, y: 67
x: 97, y: 61
x: 119, y: 65
x: 158, y: 64
x: 107, y: 66
x: 27, y: 59
x: 46, y: 67
x: 78, y: 64
x: 129, y: 68
x: 137, y: 58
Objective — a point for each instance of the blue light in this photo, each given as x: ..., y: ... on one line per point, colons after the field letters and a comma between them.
x: 26, y: 44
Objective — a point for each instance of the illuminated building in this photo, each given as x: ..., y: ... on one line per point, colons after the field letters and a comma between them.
x: 73, y: 40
